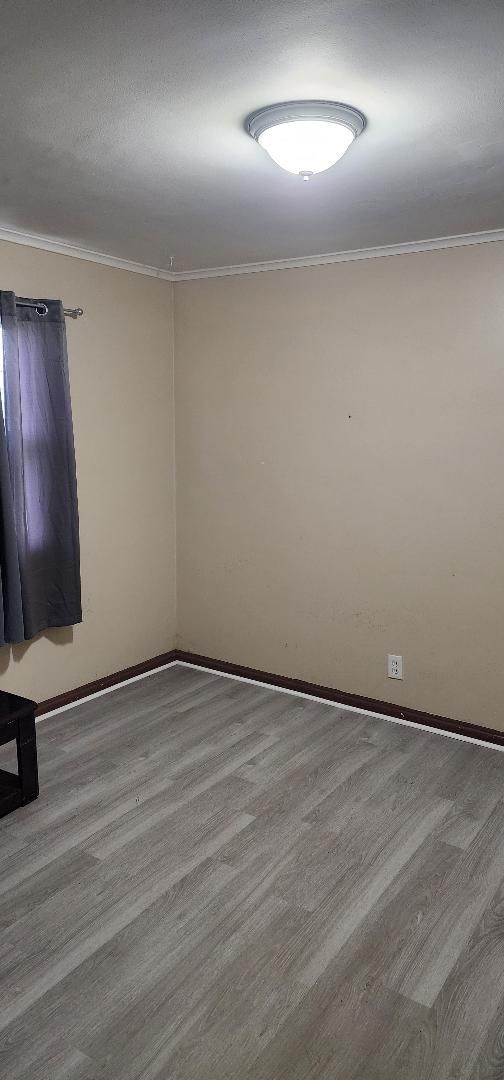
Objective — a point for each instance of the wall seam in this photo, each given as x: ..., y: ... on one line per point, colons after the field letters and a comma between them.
x: 174, y: 461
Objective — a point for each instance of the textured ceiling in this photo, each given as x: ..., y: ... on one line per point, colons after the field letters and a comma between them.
x: 121, y: 124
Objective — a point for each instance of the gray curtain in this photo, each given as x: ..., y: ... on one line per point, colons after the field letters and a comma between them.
x: 38, y: 490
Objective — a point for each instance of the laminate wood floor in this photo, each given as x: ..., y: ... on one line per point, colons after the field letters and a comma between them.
x: 224, y: 882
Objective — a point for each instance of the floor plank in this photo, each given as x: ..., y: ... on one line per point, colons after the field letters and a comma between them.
x: 432, y: 951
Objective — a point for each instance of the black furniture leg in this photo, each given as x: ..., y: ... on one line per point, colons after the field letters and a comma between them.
x: 27, y: 759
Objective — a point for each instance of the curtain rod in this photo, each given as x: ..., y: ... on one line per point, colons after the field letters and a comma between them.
x: 42, y: 309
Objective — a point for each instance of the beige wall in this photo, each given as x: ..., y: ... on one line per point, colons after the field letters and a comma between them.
x: 121, y: 375
x: 340, y: 439
x: 340, y: 449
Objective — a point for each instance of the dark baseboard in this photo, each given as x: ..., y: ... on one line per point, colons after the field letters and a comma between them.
x: 101, y: 684
x: 283, y: 682
x: 415, y: 716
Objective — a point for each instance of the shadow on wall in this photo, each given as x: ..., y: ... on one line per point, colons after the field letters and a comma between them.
x: 15, y: 653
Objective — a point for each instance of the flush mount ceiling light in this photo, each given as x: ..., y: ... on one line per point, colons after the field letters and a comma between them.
x: 306, y: 137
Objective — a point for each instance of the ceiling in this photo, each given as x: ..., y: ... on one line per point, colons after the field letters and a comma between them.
x: 121, y: 124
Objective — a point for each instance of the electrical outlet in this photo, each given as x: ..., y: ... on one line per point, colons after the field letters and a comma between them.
x: 394, y: 667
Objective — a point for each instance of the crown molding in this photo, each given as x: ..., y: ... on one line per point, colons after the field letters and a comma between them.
x: 59, y: 247
x: 437, y: 243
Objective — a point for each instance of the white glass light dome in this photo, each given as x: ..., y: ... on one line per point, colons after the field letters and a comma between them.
x: 306, y: 137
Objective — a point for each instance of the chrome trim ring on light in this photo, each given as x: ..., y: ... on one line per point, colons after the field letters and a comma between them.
x: 263, y: 119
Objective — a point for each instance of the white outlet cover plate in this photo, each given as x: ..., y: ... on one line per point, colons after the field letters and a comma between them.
x: 394, y: 666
